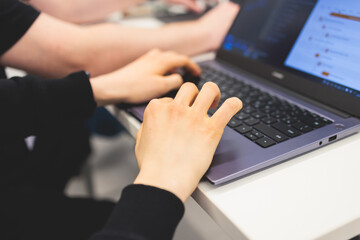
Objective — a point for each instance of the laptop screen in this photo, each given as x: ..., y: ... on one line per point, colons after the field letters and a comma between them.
x: 318, y: 40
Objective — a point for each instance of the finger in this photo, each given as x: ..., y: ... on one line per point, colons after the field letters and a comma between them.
x: 208, y: 96
x: 173, y: 60
x: 172, y: 82
x: 187, y: 94
x: 138, y: 137
x: 166, y: 100
x: 138, y: 134
x: 190, y: 4
x: 153, y: 52
x: 224, y: 114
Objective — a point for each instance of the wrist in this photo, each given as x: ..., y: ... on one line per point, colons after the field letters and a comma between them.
x: 104, y: 91
x: 98, y: 92
x: 206, y: 34
x: 169, y: 182
x: 190, y: 38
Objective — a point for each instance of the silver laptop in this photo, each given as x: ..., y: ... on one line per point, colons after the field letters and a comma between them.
x: 296, y: 66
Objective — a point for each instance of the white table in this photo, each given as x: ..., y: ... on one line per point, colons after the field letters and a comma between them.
x: 314, y: 196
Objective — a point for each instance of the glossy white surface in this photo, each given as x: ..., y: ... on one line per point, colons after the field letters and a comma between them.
x: 314, y: 196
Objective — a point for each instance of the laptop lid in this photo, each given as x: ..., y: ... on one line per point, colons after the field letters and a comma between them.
x: 309, y: 46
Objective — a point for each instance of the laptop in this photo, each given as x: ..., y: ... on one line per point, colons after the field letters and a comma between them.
x: 296, y: 66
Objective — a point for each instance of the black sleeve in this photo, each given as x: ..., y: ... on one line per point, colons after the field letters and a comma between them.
x: 143, y: 213
x: 15, y: 19
x: 30, y: 103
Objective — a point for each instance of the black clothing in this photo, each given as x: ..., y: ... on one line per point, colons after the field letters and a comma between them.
x: 32, y: 103
x: 32, y: 202
x: 29, y: 106
x: 2, y: 73
x: 30, y: 211
x: 15, y: 19
x: 143, y: 213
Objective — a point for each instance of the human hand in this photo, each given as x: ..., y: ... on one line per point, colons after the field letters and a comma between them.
x: 177, y: 140
x: 190, y: 4
x: 142, y: 79
x: 217, y: 22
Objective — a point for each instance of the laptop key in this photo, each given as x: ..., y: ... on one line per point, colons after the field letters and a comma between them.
x: 232, y: 92
x: 251, y: 121
x: 240, y: 95
x: 243, y: 129
x: 251, y: 136
x: 288, y: 120
x: 271, y: 132
x: 211, y: 111
x: 257, y: 134
x: 268, y: 109
x: 265, y: 142
x: 312, y: 122
x: 254, y: 93
x: 289, y: 131
x: 248, y: 110
x: 302, y: 127
x: 277, y: 114
x: 258, y: 104
x: 248, y: 101
x: 234, y: 123
x: 269, y: 120
x: 242, y: 116
x: 258, y: 115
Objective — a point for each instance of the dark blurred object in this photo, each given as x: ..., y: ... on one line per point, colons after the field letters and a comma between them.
x: 169, y: 16
x: 187, y: 77
x: 356, y: 238
x: 168, y: 12
x: 105, y: 124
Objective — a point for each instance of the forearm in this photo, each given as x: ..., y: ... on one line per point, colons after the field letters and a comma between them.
x: 110, y: 46
x: 49, y: 49
x: 54, y: 48
x: 82, y: 11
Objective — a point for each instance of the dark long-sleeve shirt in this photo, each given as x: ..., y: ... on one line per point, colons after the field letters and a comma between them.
x: 143, y: 213
x: 29, y: 104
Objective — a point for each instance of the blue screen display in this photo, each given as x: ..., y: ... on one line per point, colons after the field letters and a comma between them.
x: 319, y: 38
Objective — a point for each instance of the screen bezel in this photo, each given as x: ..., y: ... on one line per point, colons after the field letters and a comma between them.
x: 304, y: 85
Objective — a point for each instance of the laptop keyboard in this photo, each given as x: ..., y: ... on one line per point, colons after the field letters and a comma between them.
x: 265, y: 119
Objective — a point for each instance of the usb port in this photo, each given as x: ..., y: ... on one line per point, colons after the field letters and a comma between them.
x: 333, y: 138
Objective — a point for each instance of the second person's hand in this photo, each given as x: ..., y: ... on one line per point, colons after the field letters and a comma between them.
x: 143, y: 79
x: 190, y: 4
